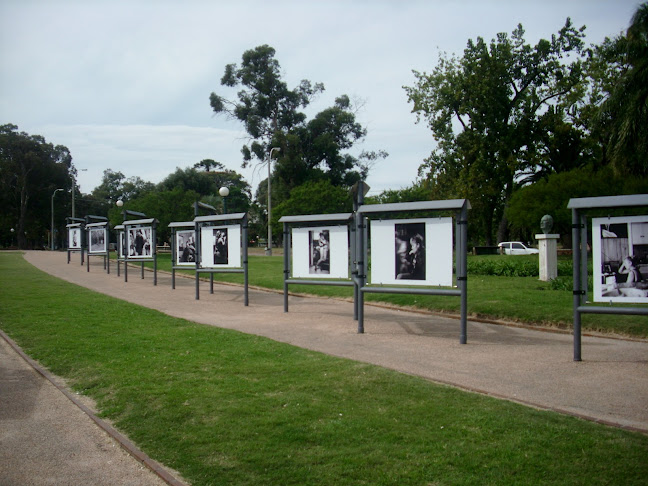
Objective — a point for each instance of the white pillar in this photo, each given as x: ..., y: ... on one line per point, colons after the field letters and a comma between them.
x: 548, y: 246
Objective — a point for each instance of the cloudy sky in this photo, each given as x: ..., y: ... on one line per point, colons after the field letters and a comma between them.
x: 125, y: 85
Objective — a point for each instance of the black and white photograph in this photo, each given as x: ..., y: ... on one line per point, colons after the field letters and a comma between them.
x: 220, y: 246
x: 186, y: 247
x: 320, y: 252
x: 140, y: 244
x: 411, y: 251
x: 97, y: 237
x: 121, y: 238
x: 409, y: 244
x: 74, y: 238
x: 620, y: 247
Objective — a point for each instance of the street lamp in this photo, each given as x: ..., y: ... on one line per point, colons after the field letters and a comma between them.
x: 74, y: 190
x: 268, y: 251
x: 224, y: 192
x: 52, y: 235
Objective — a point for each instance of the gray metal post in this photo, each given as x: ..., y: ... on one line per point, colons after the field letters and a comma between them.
x: 198, y: 259
x: 173, y: 255
x: 576, y: 251
x: 244, y: 244
x: 211, y: 283
x: 462, y: 271
x: 362, y: 259
x: 584, y: 257
x: 286, y: 269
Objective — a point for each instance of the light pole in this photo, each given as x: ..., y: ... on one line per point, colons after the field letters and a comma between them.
x: 268, y: 251
x: 224, y: 192
x: 74, y: 190
x: 52, y: 235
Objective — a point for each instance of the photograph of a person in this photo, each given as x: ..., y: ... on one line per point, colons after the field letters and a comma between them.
x: 409, y: 251
x: 220, y: 247
x: 186, y: 247
x: 74, y: 238
x: 621, y: 259
x: 139, y: 242
x: 97, y: 240
x: 319, y: 252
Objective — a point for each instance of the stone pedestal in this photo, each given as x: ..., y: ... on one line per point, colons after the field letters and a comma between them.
x: 548, y: 246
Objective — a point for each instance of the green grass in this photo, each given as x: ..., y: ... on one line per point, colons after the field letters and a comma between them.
x: 494, y: 292
x: 223, y: 407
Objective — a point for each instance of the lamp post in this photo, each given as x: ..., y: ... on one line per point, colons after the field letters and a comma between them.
x: 224, y: 192
x: 52, y: 235
x: 12, y: 233
x: 268, y: 251
x: 74, y: 190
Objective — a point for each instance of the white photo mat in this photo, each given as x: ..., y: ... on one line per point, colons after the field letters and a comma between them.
x: 620, y: 257
x: 397, y: 260
x: 185, y: 247
x: 74, y: 238
x: 97, y: 239
x: 210, y: 242
x: 307, y: 241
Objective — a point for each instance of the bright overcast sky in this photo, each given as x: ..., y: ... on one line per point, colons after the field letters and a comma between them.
x: 125, y: 85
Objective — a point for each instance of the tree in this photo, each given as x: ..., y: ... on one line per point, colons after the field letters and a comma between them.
x: 30, y: 170
x: 310, y: 150
x: 625, y: 111
x: 497, y: 114
x: 115, y: 186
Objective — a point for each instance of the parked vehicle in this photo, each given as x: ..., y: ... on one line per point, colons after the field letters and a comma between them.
x: 516, y: 248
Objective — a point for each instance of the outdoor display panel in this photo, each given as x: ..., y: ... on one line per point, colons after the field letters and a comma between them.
x: 320, y: 252
x: 220, y: 246
x: 185, y: 247
x: 121, y: 243
x: 74, y: 238
x: 620, y: 256
x: 97, y: 239
x: 139, y: 242
x: 412, y: 251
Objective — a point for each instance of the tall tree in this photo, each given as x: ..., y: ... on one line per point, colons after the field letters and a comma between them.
x: 497, y: 113
x: 271, y: 112
x: 30, y: 170
x: 625, y: 111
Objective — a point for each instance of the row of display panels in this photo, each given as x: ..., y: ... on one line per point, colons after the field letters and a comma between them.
x: 404, y: 251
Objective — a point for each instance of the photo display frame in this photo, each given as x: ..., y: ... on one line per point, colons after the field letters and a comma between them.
x: 412, y: 252
x: 74, y: 237
x: 320, y: 252
x: 185, y: 247
x: 97, y: 238
x: 220, y: 246
x: 139, y: 242
x: 620, y: 257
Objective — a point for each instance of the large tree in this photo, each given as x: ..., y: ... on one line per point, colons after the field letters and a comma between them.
x: 500, y: 113
x: 273, y: 117
x: 30, y: 170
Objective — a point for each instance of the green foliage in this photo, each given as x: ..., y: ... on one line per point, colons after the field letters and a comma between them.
x: 513, y: 266
x: 512, y: 104
x: 551, y: 196
x: 30, y: 171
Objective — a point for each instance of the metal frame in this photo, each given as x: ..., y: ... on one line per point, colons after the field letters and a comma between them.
x: 139, y: 222
x: 199, y: 222
x: 338, y: 219
x: 103, y: 222
x: 460, y: 208
x: 80, y: 222
x: 120, y: 236
x: 174, y: 227
x: 579, y: 206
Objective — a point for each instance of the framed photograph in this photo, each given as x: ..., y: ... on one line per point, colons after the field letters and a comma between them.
x: 139, y: 240
x: 97, y: 239
x: 185, y: 247
x: 74, y: 238
x: 220, y: 246
x: 620, y: 255
x: 412, y: 252
x: 121, y: 242
x: 321, y: 252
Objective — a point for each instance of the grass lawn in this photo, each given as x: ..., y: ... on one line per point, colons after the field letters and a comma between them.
x: 224, y: 407
x: 523, y: 299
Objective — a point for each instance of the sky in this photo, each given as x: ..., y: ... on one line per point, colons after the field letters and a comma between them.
x: 125, y: 85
